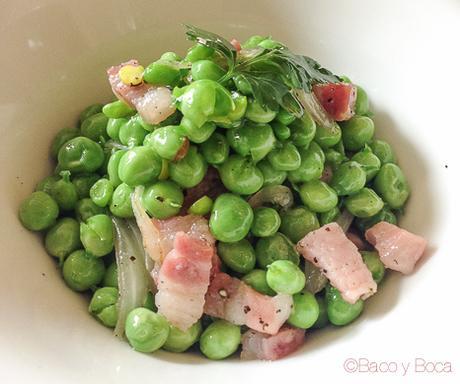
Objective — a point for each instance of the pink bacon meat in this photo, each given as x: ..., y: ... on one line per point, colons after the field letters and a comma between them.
x: 230, y: 299
x: 398, y: 249
x: 338, y: 99
x: 329, y: 249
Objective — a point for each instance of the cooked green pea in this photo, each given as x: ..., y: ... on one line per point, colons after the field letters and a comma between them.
x: 163, y: 199
x: 283, y: 276
x: 83, y: 183
x: 111, y: 276
x: 96, y: 235
x: 170, y: 56
x: 365, y: 203
x: 266, y: 222
x: 369, y: 162
x: 374, y: 264
x: 284, y: 117
x: 103, y: 306
x: 167, y: 141
x: 215, y: 150
x: 258, y: 114
x: 362, y: 102
x: 281, y: 131
x: 64, y: 192
x: 197, y: 134
x: 85, y: 209
x: 285, y: 157
x: 318, y: 196
x: 339, y: 311
x: 305, y: 312
x: 322, y: 320
x: 253, y: 41
x: 139, y: 165
x: 240, y: 175
x: 63, y: 238
x: 89, y: 111
x: 311, y: 164
x: 271, y: 175
x: 46, y: 184
x: 234, y: 118
x: 329, y: 216
x: 39, y: 211
x: 198, y: 52
x: 348, y: 178
x: 80, y: 154
x: 206, y: 69
x: 333, y: 157
x: 82, y: 270
x: 146, y: 330
x: 62, y: 137
x: 276, y: 247
x: 303, y: 130
x: 112, y: 167
x: 113, y: 127
x: 384, y: 215
x: 297, y: 222
x: 132, y: 133
x: 95, y: 127
x: 328, y: 137
x: 231, y: 218
x: 383, y: 151
x: 190, y: 170
x: 117, y: 109
x: 101, y: 192
x: 357, y: 132
x: 391, y: 184
x: 201, y: 207
x: 238, y: 256
x: 120, y: 205
x: 257, y: 280
x: 163, y: 72
x: 220, y: 340
x: 179, y: 341
x: 242, y: 85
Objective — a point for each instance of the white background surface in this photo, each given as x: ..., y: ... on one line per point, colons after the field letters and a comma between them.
x: 405, y: 54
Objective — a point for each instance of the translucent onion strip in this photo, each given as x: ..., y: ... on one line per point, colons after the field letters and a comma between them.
x: 279, y: 195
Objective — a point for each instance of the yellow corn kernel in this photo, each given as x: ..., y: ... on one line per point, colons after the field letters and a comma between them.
x: 131, y: 74
x: 164, y: 174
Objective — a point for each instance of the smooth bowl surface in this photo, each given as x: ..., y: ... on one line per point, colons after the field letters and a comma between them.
x: 405, y: 54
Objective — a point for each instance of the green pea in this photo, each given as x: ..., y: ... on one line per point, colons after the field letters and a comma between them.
x: 238, y: 256
x: 231, y: 218
x: 285, y: 158
x: 384, y: 215
x: 303, y: 130
x: 79, y: 155
x: 197, y: 134
x: 206, y: 69
x: 179, y: 341
x: 215, y: 150
x: 132, y: 133
x: 369, y: 162
x: 339, y: 311
x: 120, y: 205
x: 83, y: 183
x: 266, y: 222
x: 89, y: 111
x: 95, y: 127
x: 163, y: 72
x: 348, y: 178
x: 258, y: 114
x: 112, y: 167
x: 240, y: 175
x: 365, y: 203
x: 383, y: 151
x: 170, y: 56
x: 322, y: 320
x: 167, y: 141
x: 146, y: 330
x: 273, y: 248
x: 334, y: 158
x: 374, y: 264
x: 201, y: 207
x: 253, y: 42
x: 256, y: 140
x: 101, y: 192
x: 305, y: 312
x: 311, y: 164
x: 283, y: 276
x: 234, y: 118
x: 257, y: 279
x: 63, y: 238
x: 318, y: 196
x: 62, y: 137
x: 271, y: 175
x: 103, y: 306
x: 391, y: 184
x: 284, y: 117
x: 139, y: 165
x: 242, y: 85
x: 198, y: 52
x: 328, y: 137
x: 357, y: 132
x: 46, y: 184
x: 82, y: 270
x: 329, y: 216
x: 297, y: 222
x: 190, y: 170
x: 117, y: 109
x: 111, y: 276
x: 96, y: 235
x: 362, y: 102
x: 39, y: 211
x: 85, y: 209
x: 113, y: 127
x: 64, y: 192
x: 220, y: 340
x: 163, y: 199
x: 281, y: 131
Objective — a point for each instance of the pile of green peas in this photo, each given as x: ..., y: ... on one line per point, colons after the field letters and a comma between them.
x: 112, y: 151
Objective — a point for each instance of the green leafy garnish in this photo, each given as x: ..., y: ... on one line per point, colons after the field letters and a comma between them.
x: 271, y: 75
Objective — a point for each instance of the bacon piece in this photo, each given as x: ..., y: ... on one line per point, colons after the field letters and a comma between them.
x: 338, y: 99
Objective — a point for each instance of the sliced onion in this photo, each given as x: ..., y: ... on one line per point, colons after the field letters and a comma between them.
x: 344, y: 220
x: 314, y: 107
x: 133, y: 278
x: 275, y: 194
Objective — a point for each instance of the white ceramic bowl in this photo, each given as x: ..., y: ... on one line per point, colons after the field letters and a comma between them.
x: 405, y: 54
